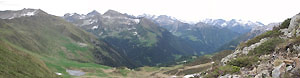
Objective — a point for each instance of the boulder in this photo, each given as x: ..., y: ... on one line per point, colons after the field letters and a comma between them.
x: 286, y: 33
x: 263, y: 74
x: 294, y: 24
x: 289, y: 68
x: 277, y: 71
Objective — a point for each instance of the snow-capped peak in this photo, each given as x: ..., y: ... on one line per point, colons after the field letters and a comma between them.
x: 231, y: 23
x: 218, y: 22
x: 29, y: 13
x: 148, y: 16
x: 10, y: 14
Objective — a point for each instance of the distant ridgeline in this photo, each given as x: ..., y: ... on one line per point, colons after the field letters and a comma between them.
x: 151, y: 40
x: 114, y: 39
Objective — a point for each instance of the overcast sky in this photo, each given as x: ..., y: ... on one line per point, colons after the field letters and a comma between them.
x: 265, y: 11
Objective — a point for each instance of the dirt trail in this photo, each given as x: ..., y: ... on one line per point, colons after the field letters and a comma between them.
x: 193, y: 67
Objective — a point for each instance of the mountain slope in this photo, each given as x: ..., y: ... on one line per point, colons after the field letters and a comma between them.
x: 204, y: 38
x: 139, y: 39
x: 274, y: 53
x: 16, y: 64
x: 59, y: 44
x: 249, y: 35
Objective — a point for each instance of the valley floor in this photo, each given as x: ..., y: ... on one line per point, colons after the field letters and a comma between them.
x: 148, y: 72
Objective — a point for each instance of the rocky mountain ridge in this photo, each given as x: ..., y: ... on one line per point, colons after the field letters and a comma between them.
x: 239, y: 26
x: 46, y: 46
x: 273, y: 54
x: 210, y: 29
x: 10, y: 14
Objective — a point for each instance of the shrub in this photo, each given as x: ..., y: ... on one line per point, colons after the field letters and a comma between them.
x: 285, y: 23
x: 229, y: 69
x: 277, y: 62
x: 200, y: 60
x: 273, y: 33
x: 194, y: 70
x: 209, y: 58
x: 220, y: 55
x: 244, y: 61
x: 222, y: 70
x: 266, y: 47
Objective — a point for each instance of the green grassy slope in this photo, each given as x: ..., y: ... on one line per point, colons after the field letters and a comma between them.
x: 57, y: 43
x: 152, y: 46
x: 16, y: 63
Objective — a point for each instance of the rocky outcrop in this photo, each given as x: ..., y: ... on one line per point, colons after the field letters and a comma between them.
x: 293, y: 29
x: 10, y: 14
x: 294, y: 24
x: 283, y: 62
x: 244, y: 51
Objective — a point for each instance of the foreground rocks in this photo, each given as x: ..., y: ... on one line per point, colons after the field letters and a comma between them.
x: 245, y: 51
x: 284, y: 62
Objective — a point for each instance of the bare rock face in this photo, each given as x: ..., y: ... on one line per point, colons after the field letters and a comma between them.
x: 294, y: 25
x: 10, y: 14
x: 277, y: 71
x: 293, y: 29
x: 283, y: 62
x: 286, y: 33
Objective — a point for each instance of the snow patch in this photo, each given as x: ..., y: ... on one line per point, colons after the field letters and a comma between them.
x: 133, y: 28
x: 137, y: 20
x: 108, y: 17
x: 135, y: 33
x: 100, y: 33
x: 188, y: 76
x: 71, y: 14
x: 235, y: 24
x: 224, y: 24
x: 17, y: 15
x: 191, y: 75
x: 95, y: 27
x: 29, y: 13
x: 243, y: 22
x: 93, y: 21
x: 58, y: 73
x: 173, y: 76
x: 82, y: 17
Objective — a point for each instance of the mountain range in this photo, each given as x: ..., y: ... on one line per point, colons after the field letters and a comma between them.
x: 211, y: 35
x: 44, y: 42
x: 139, y: 39
x: 94, y: 42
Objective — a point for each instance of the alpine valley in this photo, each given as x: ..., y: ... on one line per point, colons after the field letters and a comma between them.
x: 35, y: 44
